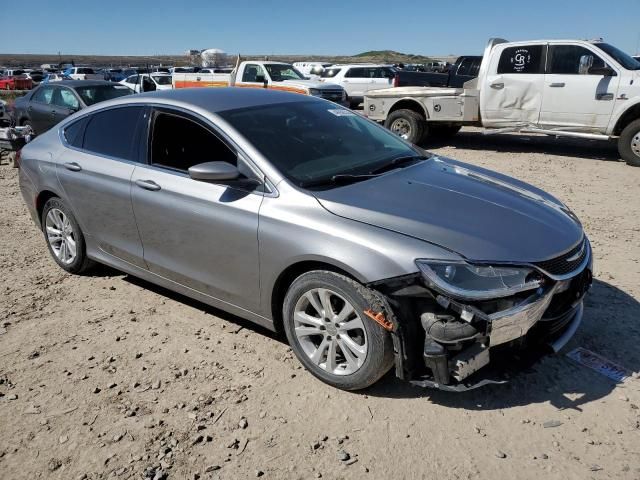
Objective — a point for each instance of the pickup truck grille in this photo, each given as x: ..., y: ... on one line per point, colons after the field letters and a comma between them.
x: 333, y: 95
x: 566, y: 263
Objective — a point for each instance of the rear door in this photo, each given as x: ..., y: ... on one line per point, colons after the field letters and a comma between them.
x: 380, y: 77
x: 575, y: 98
x: 40, y: 109
x: 512, y: 91
x: 95, y: 172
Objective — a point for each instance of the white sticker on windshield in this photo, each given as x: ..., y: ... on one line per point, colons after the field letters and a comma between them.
x: 341, y: 112
x: 121, y: 87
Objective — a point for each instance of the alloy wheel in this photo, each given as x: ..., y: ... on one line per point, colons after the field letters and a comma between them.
x: 330, y: 331
x: 60, y: 236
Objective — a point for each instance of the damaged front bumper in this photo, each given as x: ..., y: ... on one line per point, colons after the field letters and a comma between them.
x: 462, y: 345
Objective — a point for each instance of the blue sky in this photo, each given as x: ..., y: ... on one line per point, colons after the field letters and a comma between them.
x: 143, y: 27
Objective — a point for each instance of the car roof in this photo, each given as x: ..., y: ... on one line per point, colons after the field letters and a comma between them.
x: 84, y: 83
x: 212, y: 100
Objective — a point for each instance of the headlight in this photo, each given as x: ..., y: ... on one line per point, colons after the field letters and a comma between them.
x: 315, y: 92
x: 478, y: 282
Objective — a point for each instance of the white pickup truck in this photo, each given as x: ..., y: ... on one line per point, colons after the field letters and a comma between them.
x: 255, y: 74
x: 570, y: 88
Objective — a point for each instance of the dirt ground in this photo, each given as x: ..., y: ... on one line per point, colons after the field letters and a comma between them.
x: 108, y: 376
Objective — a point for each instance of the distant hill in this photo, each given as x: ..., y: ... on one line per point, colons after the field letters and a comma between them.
x: 373, y: 56
x: 391, y: 56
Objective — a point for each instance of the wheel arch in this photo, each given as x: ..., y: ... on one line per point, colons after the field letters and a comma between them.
x: 409, y: 104
x: 41, y: 199
x: 293, y: 271
x: 630, y: 114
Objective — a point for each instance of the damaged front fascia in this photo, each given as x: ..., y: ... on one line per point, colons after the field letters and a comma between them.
x: 501, y: 326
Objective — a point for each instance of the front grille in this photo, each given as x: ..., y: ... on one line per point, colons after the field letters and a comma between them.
x: 567, y: 262
x: 334, y: 95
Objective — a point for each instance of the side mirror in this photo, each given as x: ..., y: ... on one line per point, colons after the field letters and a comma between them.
x: 214, y: 171
x: 604, y: 71
x: 586, y: 62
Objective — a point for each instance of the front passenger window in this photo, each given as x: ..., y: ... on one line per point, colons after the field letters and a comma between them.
x: 565, y: 59
x: 179, y: 143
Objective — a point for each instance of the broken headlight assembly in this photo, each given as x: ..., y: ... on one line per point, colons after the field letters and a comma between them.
x: 462, y: 280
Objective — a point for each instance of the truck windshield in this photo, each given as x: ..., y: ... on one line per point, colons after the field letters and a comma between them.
x: 312, y: 141
x: 279, y: 72
x: 627, y: 61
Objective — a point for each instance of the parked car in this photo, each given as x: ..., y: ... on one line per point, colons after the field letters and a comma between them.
x: 564, y: 88
x: 464, y: 69
x: 55, y: 77
x: 148, y: 82
x: 36, y: 76
x: 302, y: 215
x: 311, y: 69
x: 82, y: 73
x: 5, y: 117
x: 358, y: 79
x: 18, y: 82
x: 7, y: 83
x: 50, y: 103
x: 262, y: 74
x: 113, y: 74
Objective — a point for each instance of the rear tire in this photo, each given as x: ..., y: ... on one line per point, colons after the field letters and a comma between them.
x: 406, y: 124
x: 346, y: 350
x: 64, y: 238
x: 629, y: 144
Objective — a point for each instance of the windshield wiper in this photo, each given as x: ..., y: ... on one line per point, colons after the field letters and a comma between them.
x: 339, y: 179
x: 397, y: 162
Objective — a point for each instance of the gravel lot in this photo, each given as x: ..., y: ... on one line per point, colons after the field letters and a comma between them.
x: 108, y: 376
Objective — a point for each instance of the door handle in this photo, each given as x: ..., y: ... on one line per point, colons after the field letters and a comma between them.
x: 558, y: 84
x: 73, y: 166
x: 53, y: 113
x: 497, y: 86
x: 148, y: 185
x: 604, y: 96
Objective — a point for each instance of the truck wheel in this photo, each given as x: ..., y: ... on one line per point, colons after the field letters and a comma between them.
x: 629, y: 144
x: 406, y: 124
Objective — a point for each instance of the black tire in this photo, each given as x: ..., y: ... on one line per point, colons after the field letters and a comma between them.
x: 407, y: 124
x: 379, y: 355
x: 81, y: 263
x: 629, y: 144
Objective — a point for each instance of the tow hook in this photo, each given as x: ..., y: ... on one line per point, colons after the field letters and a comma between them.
x: 379, y: 318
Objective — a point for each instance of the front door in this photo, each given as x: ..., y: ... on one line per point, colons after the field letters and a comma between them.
x: 202, y: 235
x: 511, y: 94
x: 95, y: 173
x: 574, y: 97
x: 40, y: 108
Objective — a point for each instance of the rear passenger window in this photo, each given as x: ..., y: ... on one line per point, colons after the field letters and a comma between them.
x: 73, y: 134
x: 179, y: 143
x: 355, y: 73
x: 112, y: 132
x: 522, y: 59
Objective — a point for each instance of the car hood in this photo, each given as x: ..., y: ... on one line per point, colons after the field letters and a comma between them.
x: 479, y: 214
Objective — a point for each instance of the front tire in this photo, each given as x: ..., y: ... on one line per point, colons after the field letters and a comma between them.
x: 64, y: 238
x: 629, y: 144
x: 406, y: 124
x: 328, y: 331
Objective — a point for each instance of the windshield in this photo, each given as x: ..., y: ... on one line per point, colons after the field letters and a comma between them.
x: 100, y: 93
x: 311, y: 141
x: 162, y: 79
x: 627, y: 61
x: 281, y: 72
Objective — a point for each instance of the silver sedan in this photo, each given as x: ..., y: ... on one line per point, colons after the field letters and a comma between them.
x: 305, y: 217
